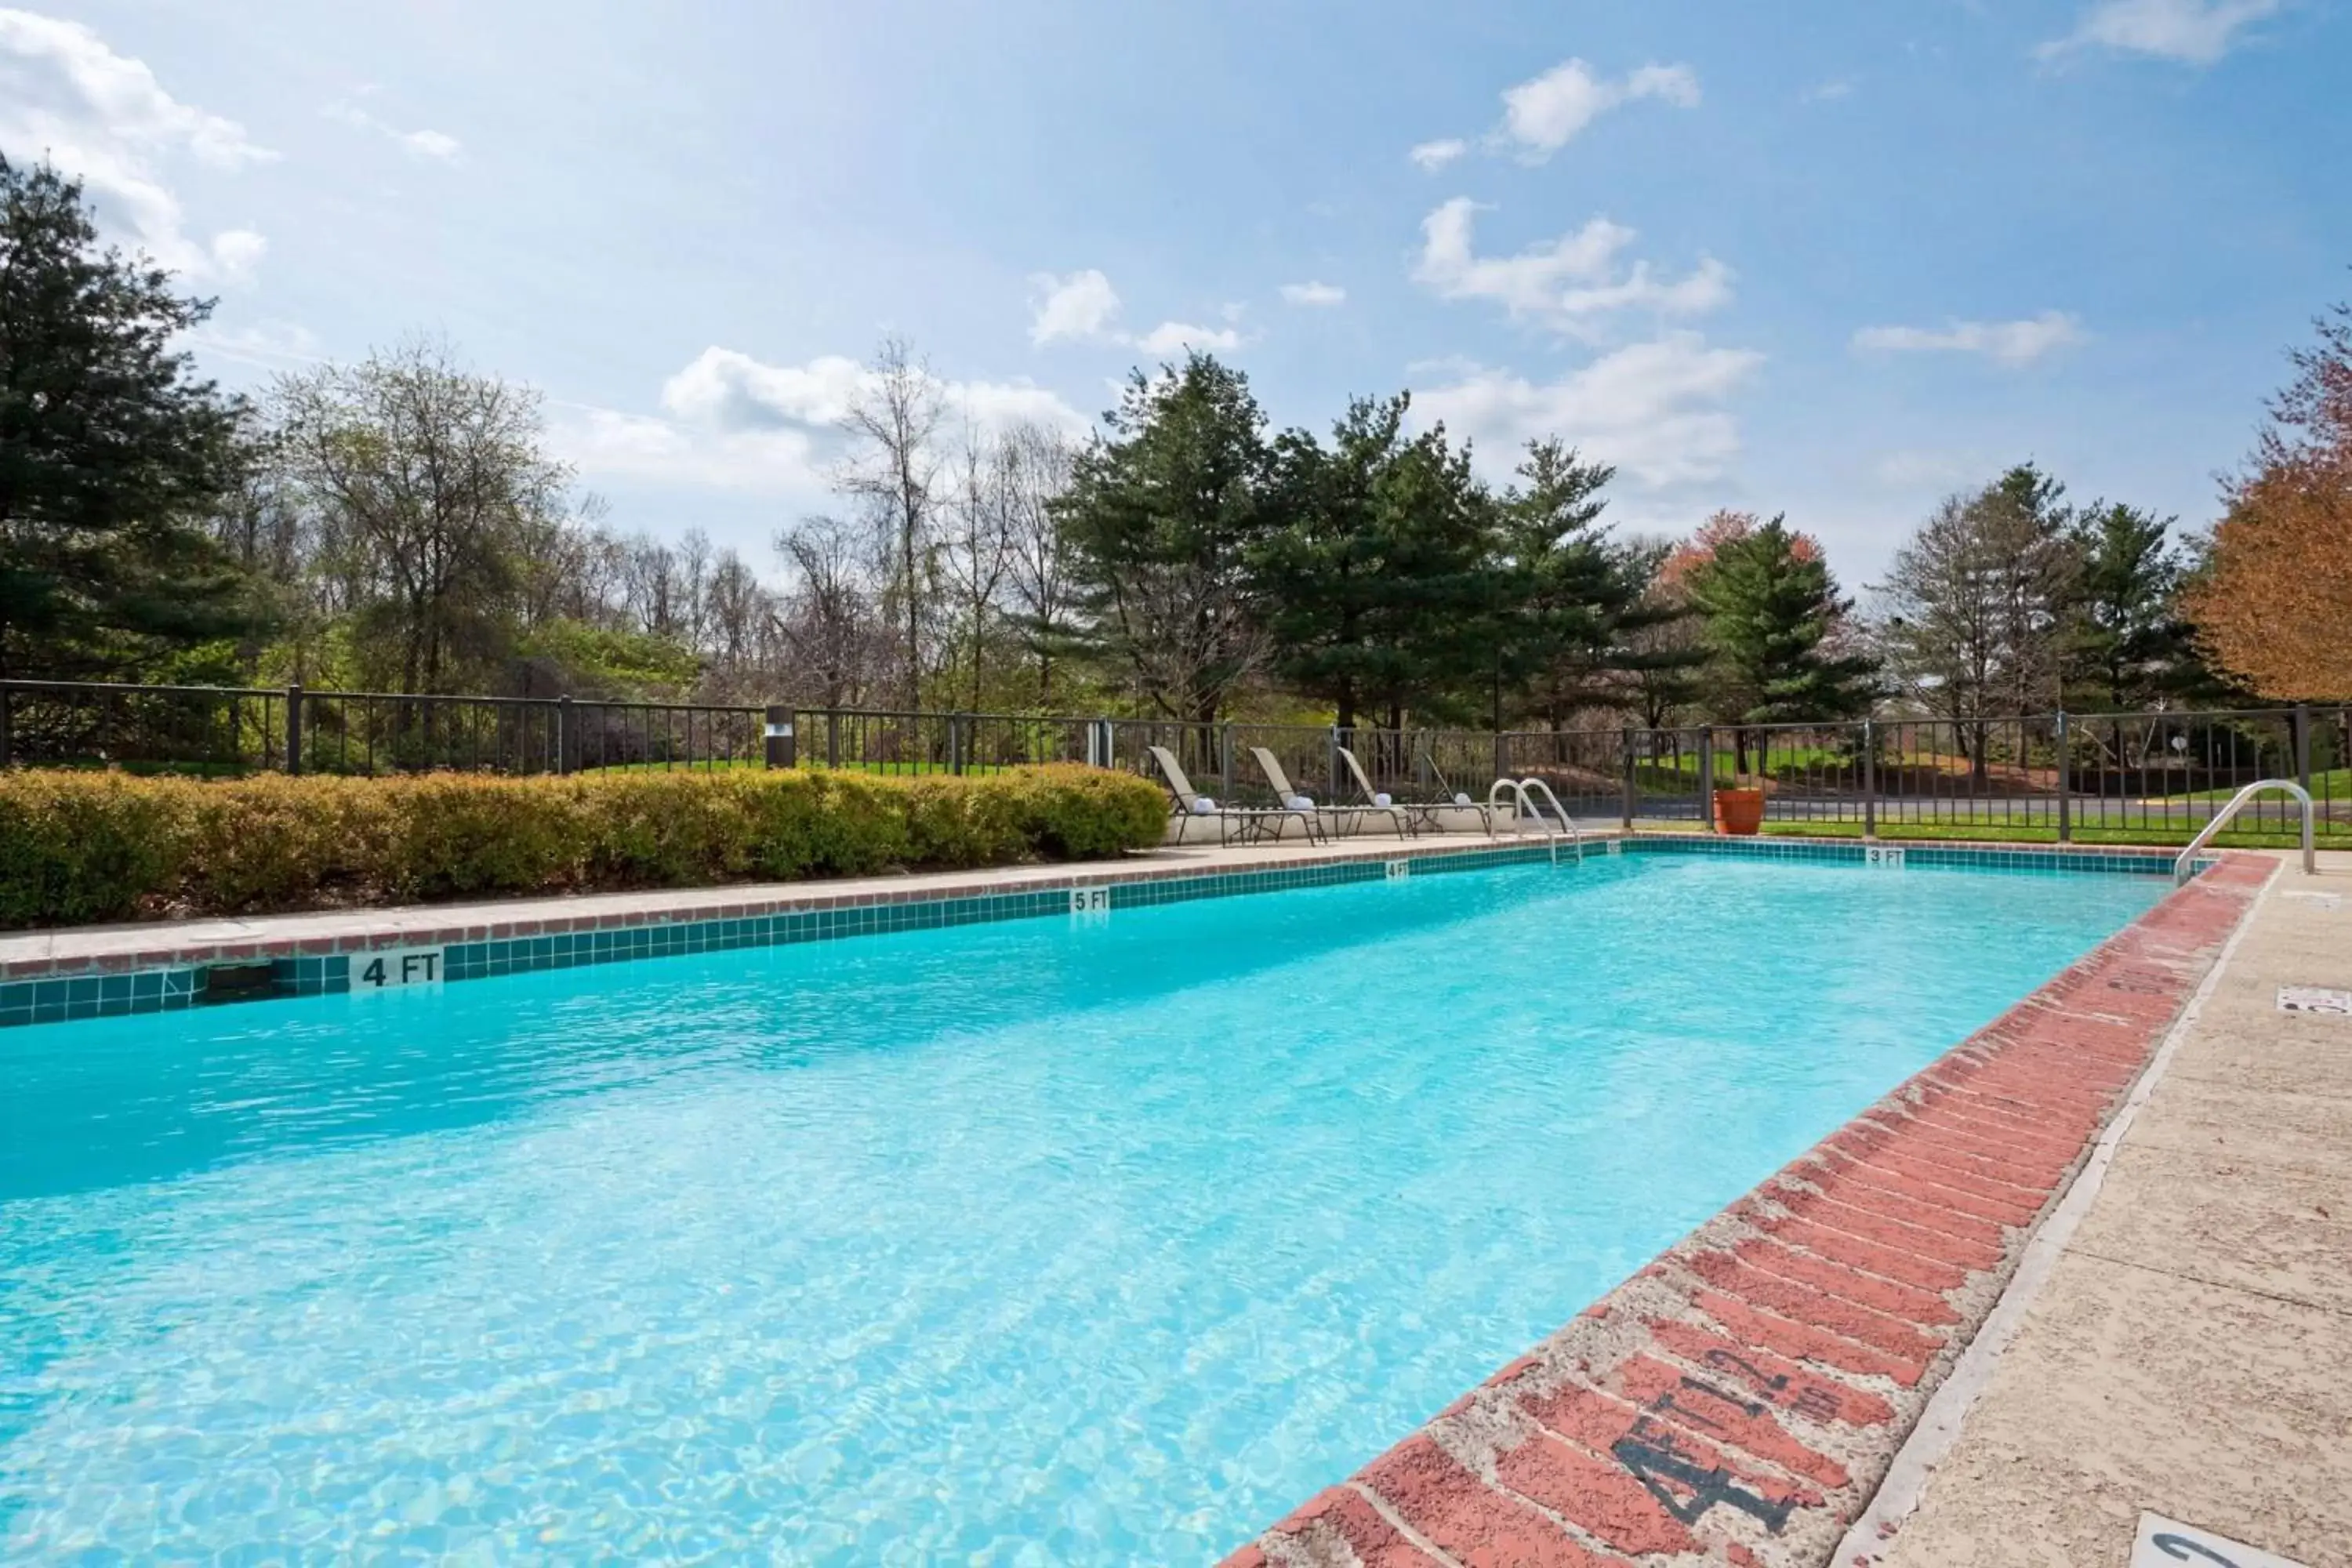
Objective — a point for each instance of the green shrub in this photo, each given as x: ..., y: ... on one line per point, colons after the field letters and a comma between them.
x: 277, y: 843
x: 78, y: 847
x: 86, y: 846
x: 450, y: 836
x: 1072, y: 813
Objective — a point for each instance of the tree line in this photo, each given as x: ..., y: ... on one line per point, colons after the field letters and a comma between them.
x: 400, y: 524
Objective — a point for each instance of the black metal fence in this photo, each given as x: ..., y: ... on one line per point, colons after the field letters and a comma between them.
x: 2067, y: 776
x: 211, y: 731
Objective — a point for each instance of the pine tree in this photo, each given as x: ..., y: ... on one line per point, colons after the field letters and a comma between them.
x: 113, y: 456
x: 1573, y: 605
x: 1370, y: 585
x: 2127, y: 646
x: 1769, y: 611
x: 1161, y: 518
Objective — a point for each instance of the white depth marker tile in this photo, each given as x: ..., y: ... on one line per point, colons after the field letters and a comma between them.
x: 2167, y: 1543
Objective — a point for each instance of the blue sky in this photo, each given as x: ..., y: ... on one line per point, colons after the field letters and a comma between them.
x: 1836, y: 265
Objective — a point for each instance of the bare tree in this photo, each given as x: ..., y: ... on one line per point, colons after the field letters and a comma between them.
x: 975, y: 550
x: 1971, y: 616
x: 1040, y: 569
x: 428, y: 483
x: 892, y: 471
x: 740, y: 608
x: 826, y: 618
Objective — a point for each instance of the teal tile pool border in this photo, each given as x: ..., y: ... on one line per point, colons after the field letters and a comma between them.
x: 2025, y: 858
x: 317, y: 966
x: 98, y: 995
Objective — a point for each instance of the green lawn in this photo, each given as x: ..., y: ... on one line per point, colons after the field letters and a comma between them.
x: 2336, y: 783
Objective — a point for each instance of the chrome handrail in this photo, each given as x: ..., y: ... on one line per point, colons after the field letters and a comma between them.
x: 2221, y: 819
x: 1575, y: 834
x: 1527, y: 808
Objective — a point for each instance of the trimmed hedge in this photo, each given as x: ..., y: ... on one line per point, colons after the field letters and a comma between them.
x: 79, y: 846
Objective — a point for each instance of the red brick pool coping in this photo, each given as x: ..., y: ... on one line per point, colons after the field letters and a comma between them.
x: 1737, y: 1400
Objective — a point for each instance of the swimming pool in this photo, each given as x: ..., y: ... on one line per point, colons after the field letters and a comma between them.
x: 1037, y: 1241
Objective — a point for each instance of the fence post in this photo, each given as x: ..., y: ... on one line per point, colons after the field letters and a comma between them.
x: 1331, y: 764
x: 955, y: 742
x: 2065, y: 784
x: 293, y: 726
x: 1627, y: 813
x: 2302, y: 746
x: 1226, y: 761
x: 1706, y: 778
x: 833, y: 737
x: 563, y: 734
x: 781, y: 751
x: 1870, y: 778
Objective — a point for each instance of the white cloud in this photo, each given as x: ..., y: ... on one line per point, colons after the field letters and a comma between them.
x: 2197, y: 32
x: 1541, y: 116
x: 235, y: 253
x: 1526, y: 283
x: 1081, y: 306
x: 268, y: 345
x: 1827, y: 92
x: 104, y: 119
x: 1918, y: 470
x: 433, y: 144
x: 1654, y: 409
x: 1708, y: 288
x: 1568, y: 282
x: 1432, y: 156
x: 734, y: 422
x: 1170, y: 339
x: 1314, y: 293
x: 2010, y: 343
x: 437, y: 145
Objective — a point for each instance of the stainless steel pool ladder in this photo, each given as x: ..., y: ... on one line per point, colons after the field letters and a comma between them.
x: 1521, y: 789
x: 2238, y: 801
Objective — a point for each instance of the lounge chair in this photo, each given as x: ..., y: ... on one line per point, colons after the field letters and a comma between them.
x: 1449, y: 799
x: 1374, y: 802
x: 1297, y: 805
x: 1192, y: 805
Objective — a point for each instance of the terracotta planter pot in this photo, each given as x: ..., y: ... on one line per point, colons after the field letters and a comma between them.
x: 1739, y: 811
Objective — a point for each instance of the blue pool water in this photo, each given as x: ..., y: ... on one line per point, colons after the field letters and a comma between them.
x: 1021, y: 1243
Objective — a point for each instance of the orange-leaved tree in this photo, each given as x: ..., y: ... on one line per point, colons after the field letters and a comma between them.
x: 2274, y: 605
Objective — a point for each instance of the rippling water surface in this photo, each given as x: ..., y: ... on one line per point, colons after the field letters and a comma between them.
x: 1021, y: 1243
